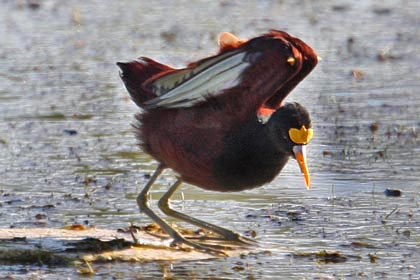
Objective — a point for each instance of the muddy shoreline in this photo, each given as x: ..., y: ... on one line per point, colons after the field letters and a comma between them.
x: 68, y: 154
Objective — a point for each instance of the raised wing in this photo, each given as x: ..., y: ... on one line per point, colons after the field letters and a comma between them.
x: 209, y: 78
x: 136, y: 72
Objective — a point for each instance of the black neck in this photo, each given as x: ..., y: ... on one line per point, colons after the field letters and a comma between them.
x: 252, y: 156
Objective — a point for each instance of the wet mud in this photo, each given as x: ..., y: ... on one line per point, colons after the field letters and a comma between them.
x: 68, y: 155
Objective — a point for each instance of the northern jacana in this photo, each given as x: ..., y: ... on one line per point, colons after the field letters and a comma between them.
x: 220, y: 123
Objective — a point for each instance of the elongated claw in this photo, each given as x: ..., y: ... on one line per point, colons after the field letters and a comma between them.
x: 216, y: 250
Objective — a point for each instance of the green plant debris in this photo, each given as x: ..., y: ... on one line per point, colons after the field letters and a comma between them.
x: 324, y: 257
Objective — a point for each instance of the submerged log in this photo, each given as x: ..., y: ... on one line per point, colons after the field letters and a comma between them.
x: 77, y: 244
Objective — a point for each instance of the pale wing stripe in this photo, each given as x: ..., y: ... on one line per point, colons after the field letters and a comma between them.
x: 197, y: 87
x: 216, y: 84
x: 203, y: 76
x: 170, y: 81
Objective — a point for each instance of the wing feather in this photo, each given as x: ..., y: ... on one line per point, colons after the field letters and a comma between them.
x: 187, y: 87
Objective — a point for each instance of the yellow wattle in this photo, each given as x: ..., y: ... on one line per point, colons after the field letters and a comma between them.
x: 301, y: 136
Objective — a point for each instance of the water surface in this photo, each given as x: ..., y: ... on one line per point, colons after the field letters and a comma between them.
x: 67, y: 149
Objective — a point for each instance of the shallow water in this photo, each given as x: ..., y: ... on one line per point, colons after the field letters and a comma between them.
x: 67, y: 150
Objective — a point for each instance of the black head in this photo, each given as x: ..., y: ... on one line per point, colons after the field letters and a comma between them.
x: 291, y: 127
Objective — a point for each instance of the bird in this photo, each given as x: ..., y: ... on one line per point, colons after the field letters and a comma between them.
x: 220, y: 123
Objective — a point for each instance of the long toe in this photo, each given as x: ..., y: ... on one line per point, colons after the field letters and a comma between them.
x: 229, y: 235
x: 245, y: 240
x: 212, y: 249
x: 238, y: 241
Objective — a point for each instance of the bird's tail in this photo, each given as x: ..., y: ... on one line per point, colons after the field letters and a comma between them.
x: 135, y: 73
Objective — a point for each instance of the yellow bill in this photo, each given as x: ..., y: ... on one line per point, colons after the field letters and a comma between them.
x: 300, y: 155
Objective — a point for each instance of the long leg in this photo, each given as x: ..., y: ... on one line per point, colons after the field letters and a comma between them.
x: 143, y: 203
x: 164, y: 205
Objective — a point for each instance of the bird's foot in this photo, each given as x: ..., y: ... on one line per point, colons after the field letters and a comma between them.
x: 212, y: 249
x: 236, y: 237
x: 237, y: 241
x: 226, y: 235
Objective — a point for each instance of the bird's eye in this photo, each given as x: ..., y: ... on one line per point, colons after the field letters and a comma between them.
x: 291, y: 60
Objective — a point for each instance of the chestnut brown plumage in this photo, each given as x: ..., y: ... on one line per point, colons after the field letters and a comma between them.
x: 220, y: 123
